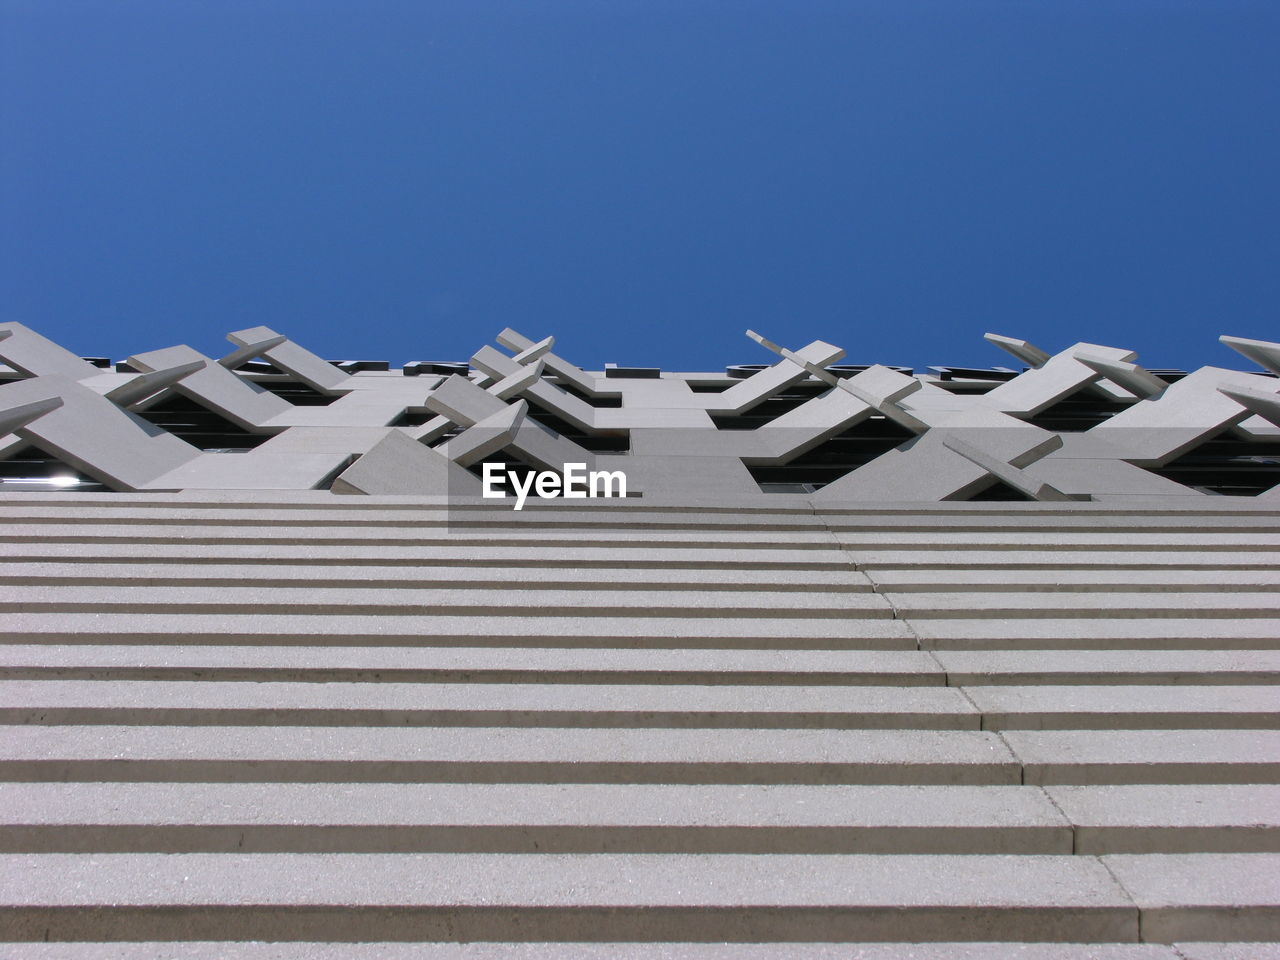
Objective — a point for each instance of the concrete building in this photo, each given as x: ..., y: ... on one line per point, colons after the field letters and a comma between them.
x: 868, y: 662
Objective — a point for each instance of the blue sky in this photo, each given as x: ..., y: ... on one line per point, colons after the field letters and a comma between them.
x: 400, y: 180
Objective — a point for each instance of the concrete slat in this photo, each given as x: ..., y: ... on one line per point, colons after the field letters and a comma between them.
x: 1072, y: 706
x: 529, y: 818
x: 1053, y: 757
x: 213, y: 703
x: 502, y: 755
x: 601, y: 896
x: 1222, y: 896
x: 467, y: 664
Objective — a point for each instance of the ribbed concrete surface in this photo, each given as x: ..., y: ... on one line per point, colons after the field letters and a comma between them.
x: 640, y: 732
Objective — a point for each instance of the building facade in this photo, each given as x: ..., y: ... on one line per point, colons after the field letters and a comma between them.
x: 866, y: 662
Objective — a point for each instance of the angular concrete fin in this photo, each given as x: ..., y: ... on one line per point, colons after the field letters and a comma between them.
x: 1034, y: 488
x: 20, y: 414
x: 1027, y: 352
x: 1262, y: 352
x: 513, y: 340
x: 1265, y: 405
x: 293, y: 359
x: 462, y: 401
x: 399, y: 465
x: 91, y: 433
x: 789, y: 370
x: 518, y: 382
x: 36, y: 356
x: 494, y: 364
x: 560, y: 367
x: 145, y: 384
x: 487, y: 437
x: 538, y: 350
x: 239, y: 400
x: 1133, y: 378
x: 882, y: 389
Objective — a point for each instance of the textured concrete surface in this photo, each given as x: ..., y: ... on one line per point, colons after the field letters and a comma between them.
x: 503, y: 754
x: 600, y: 896
x: 1222, y: 818
x: 1223, y: 896
x: 1146, y: 756
x: 646, y: 951
x: 512, y: 818
x: 485, y: 705
x: 269, y: 757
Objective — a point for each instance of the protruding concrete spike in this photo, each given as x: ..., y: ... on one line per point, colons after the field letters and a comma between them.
x: 293, y: 359
x: 1035, y: 489
x: 145, y: 384
x: 462, y: 401
x: 1265, y: 405
x: 250, y: 351
x: 494, y: 364
x: 1138, y: 381
x: 399, y: 466
x: 433, y: 429
x: 864, y: 387
x: 561, y: 368
x: 23, y: 413
x: 513, y: 340
x: 486, y: 437
x: 240, y: 400
x: 1262, y: 352
x: 517, y: 383
x: 1028, y: 353
x: 814, y: 369
x: 535, y: 352
x: 37, y: 356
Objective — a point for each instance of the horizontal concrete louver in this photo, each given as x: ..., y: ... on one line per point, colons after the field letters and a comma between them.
x: 305, y: 718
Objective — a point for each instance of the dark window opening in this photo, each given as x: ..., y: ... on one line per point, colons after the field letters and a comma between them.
x: 831, y: 459
x: 770, y: 409
x: 299, y: 394
x: 257, y: 366
x: 1080, y: 412
x: 596, y: 443
x: 33, y: 470
x: 999, y: 490
x: 199, y: 426
x: 1228, y: 466
x: 569, y: 388
x: 413, y: 417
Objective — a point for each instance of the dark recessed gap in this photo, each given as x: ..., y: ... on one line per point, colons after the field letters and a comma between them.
x: 257, y: 366
x: 833, y: 458
x: 413, y: 417
x: 596, y: 443
x: 1227, y: 466
x: 709, y: 387
x: 199, y: 426
x: 998, y: 491
x: 332, y: 475
x: 1080, y: 412
x: 36, y: 467
x: 569, y: 388
x: 770, y: 409
x: 299, y: 394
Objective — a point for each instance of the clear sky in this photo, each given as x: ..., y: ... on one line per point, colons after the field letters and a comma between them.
x: 400, y: 179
